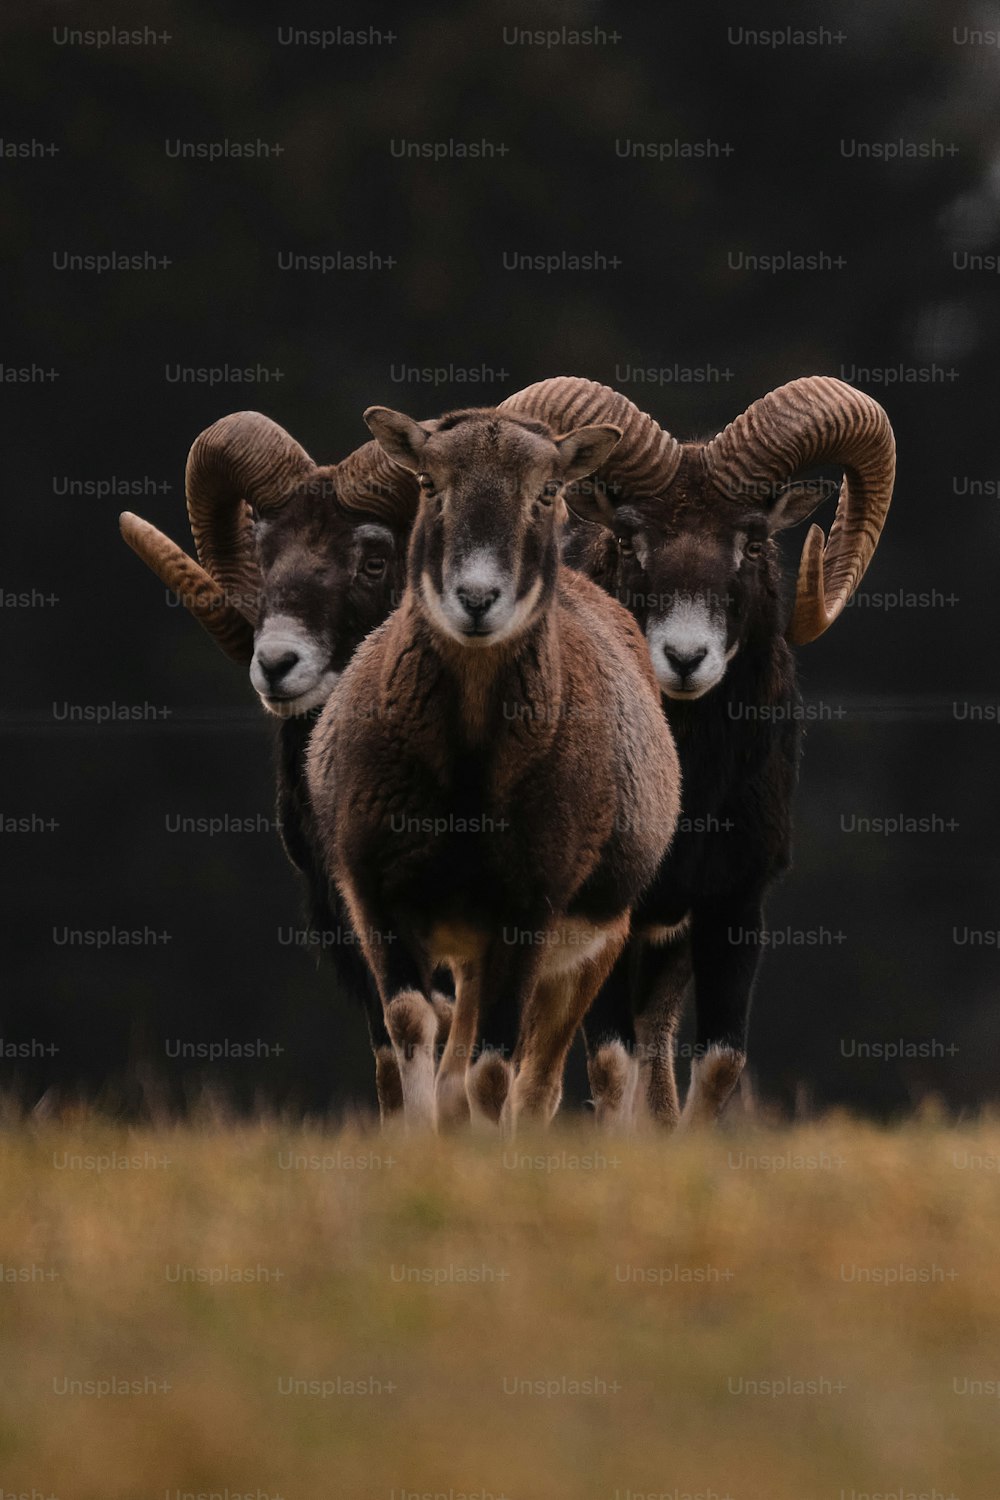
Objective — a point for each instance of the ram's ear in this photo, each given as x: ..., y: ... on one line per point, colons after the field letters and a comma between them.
x: 797, y: 502
x: 584, y: 449
x: 590, y: 547
x: 400, y: 436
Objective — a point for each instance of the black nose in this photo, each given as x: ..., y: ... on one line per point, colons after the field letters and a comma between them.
x: 477, y: 602
x: 278, y: 666
x: 685, y: 665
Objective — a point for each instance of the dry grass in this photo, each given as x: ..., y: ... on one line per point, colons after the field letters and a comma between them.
x: 529, y: 1273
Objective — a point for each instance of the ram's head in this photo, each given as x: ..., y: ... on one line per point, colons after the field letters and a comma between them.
x: 684, y: 532
x: 296, y: 562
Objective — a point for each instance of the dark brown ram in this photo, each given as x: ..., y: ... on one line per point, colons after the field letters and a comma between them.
x: 296, y: 564
x: 684, y: 536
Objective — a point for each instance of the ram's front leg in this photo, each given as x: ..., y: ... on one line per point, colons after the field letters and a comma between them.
x: 504, y: 981
x: 451, y: 1095
x: 412, y: 1023
x: 387, y: 1081
x: 725, y: 951
x: 564, y: 993
x: 662, y: 982
x: 398, y: 964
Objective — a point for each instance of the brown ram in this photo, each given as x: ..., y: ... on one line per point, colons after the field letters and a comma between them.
x: 493, y: 779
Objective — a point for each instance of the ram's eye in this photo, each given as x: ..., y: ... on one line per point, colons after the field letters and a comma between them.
x: 426, y: 483
x: 754, y: 549
x: 374, y: 567
x: 549, y: 492
x: 625, y: 546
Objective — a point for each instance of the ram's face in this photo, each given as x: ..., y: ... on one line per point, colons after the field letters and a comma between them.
x: 328, y: 577
x: 486, y: 544
x: 488, y: 533
x: 691, y: 576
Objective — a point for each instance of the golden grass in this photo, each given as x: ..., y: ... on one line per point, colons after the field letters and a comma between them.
x: 570, y: 1316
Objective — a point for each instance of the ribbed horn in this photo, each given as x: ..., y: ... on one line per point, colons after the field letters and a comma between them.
x: 815, y: 420
x: 640, y: 467
x: 195, y: 588
x: 244, y: 460
x: 368, y: 480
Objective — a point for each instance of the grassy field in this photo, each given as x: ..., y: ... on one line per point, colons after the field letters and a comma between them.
x: 270, y: 1311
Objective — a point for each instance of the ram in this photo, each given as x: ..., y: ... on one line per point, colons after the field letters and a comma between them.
x: 297, y: 563
x: 492, y: 778
x: 685, y: 537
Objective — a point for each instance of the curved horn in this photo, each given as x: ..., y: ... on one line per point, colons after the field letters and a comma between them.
x: 368, y: 480
x: 240, y: 461
x: 639, y: 467
x: 815, y: 420
x: 195, y: 588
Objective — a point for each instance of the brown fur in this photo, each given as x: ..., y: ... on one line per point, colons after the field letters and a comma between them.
x: 387, y: 1084
x: 614, y: 1080
x: 488, y: 1086
x: 548, y: 745
x: 713, y: 1079
x: 550, y: 1022
x: 444, y: 1010
x: 412, y: 1025
x: 656, y: 1039
x: 452, y: 1101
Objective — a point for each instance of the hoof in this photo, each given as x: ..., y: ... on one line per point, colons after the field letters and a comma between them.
x: 531, y: 1102
x: 450, y: 1100
x: 488, y: 1085
x: 411, y: 1021
x: 713, y: 1078
x: 412, y: 1025
x: 614, y: 1077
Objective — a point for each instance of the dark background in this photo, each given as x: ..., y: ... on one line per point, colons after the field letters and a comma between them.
x: 895, y: 684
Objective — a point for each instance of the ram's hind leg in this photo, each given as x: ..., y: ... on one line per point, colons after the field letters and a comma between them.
x: 725, y: 945
x: 413, y: 1026
x: 388, y: 1084
x: 612, y: 1066
x: 663, y: 980
x: 507, y: 979
x: 555, y: 1011
x: 451, y: 1098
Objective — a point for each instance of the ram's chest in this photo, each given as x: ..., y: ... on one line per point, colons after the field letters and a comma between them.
x: 457, y: 845
x: 468, y: 806
x: 734, y: 830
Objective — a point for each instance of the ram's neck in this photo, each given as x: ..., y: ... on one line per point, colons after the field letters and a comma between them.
x: 736, y: 724
x: 512, y: 687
